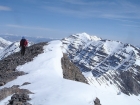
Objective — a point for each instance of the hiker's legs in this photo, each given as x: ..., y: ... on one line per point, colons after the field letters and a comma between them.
x: 22, y: 50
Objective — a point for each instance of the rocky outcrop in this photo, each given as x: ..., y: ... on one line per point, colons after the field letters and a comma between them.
x: 70, y: 71
x: 97, y: 101
x: 5, y: 92
x: 19, y: 99
x: 8, y: 66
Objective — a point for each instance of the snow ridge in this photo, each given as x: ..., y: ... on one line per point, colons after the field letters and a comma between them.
x: 46, y: 78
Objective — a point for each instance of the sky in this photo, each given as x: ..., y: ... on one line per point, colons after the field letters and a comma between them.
x: 109, y: 19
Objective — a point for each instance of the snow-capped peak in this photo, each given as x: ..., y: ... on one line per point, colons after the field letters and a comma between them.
x: 99, y: 57
x: 85, y: 37
x: 78, y: 40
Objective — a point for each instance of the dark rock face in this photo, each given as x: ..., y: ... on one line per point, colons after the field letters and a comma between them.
x: 8, y: 65
x: 70, y: 71
x: 26, y: 83
x: 130, y: 81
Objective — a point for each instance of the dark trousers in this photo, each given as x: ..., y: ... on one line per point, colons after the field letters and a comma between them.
x: 22, y: 50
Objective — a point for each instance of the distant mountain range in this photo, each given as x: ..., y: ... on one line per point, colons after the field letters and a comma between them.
x: 14, y: 38
x: 106, y: 61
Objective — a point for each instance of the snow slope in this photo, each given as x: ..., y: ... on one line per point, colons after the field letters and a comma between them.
x: 14, y: 47
x: 4, y: 43
x: 46, y: 78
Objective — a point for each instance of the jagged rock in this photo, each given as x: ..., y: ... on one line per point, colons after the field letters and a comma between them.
x: 14, y: 89
x: 26, y: 83
x: 97, y: 101
x: 70, y: 71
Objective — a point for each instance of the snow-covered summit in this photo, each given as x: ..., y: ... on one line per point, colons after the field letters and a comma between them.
x: 84, y: 37
x: 78, y: 40
x: 111, y: 60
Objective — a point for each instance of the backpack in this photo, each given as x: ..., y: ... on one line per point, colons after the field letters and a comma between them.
x: 23, y: 42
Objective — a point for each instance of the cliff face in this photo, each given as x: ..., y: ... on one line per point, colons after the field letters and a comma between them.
x: 70, y: 71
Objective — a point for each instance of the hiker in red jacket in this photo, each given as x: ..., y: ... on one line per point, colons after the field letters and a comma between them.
x: 23, y: 45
